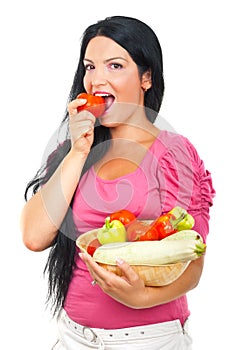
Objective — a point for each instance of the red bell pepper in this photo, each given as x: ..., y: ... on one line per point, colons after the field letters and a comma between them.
x: 176, y: 220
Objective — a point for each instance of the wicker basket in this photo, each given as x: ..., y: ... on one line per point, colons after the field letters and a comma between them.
x: 158, y: 275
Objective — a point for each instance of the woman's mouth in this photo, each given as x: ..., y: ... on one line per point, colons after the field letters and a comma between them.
x: 109, y: 99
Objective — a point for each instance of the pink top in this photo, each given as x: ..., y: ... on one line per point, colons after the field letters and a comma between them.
x: 170, y: 174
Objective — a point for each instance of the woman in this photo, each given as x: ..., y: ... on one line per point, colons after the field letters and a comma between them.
x: 120, y: 160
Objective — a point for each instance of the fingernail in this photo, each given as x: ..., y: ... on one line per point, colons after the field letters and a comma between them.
x: 119, y: 261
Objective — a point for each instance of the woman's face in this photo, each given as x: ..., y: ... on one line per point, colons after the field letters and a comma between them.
x: 110, y: 71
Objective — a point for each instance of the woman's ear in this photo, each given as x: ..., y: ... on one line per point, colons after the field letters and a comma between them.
x: 146, y: 81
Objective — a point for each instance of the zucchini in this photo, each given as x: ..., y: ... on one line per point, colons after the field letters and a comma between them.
x: 151, y: 253
x: 184, y: 234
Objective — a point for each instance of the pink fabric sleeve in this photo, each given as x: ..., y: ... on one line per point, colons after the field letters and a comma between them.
x: 185, y: 182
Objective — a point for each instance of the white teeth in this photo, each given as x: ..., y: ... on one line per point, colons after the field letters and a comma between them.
x: 102, y: 95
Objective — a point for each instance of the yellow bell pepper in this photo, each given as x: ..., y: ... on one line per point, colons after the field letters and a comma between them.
x: 112, y: 232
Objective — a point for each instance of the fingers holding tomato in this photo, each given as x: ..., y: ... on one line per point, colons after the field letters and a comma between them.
x: 94, y: 104
x: 74, y: 105
x: 81, y: 126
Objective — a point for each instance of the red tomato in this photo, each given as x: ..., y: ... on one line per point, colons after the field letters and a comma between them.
x: 94, y: 104
x: 136, y: 229
x: 93, y: 245
x: 125, y: 216
x: 150, y: 235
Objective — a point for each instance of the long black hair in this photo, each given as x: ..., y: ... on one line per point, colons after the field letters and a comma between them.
x: 143, y: 46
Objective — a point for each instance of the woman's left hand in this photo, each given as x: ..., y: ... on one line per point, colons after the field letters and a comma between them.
x: 128, y: 289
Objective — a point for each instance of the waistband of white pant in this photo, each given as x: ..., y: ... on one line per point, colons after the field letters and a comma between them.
x: 146, y: 331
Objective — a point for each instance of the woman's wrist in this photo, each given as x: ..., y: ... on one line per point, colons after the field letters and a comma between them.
x: 75, y: 155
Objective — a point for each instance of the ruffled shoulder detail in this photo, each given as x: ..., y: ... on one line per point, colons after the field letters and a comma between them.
x: 184, y: 181
x: 202, y: 179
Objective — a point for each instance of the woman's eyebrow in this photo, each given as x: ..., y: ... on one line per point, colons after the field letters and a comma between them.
x: 108, y: 59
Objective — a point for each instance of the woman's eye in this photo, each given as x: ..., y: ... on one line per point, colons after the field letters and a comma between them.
x: 116, y: 65
x: 89, y: 67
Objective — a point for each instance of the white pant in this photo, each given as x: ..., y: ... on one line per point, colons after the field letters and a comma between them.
x: 164, y: 336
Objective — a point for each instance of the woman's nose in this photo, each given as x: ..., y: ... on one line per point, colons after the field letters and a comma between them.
x: 98, y: 77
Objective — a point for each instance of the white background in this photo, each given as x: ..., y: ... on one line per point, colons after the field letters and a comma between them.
x: 39, y: 52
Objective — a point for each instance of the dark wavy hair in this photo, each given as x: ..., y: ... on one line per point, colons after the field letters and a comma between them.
x: 143, y: 46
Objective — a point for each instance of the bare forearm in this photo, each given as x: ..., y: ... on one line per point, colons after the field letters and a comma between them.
x: 45, y: 211
x: 130, y: 289
x: 186, y: 282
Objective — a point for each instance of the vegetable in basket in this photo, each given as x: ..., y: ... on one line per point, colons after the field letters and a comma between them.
x: 92, y: 246
x: 125, y: 216
x: 113, y: 231
x: 167, y: 224
x: 166, y: 251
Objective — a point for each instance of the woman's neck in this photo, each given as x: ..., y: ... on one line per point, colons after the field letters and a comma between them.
x: 139, y: 133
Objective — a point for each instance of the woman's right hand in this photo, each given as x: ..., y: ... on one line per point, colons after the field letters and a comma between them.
x: 81, y: 126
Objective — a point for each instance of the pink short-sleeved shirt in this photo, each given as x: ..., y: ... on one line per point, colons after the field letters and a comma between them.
x: 171, y: 173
